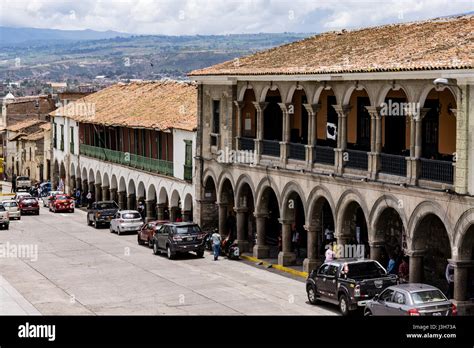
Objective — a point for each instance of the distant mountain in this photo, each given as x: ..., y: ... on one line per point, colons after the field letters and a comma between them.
x: 13, y: 36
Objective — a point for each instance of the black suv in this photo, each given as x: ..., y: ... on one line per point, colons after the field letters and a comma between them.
x: 179, y: 237
x: 101, y: 213
x: 350, y: 283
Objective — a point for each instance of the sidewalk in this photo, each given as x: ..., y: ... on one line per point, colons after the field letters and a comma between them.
x: 273, y: 263
x: 6, y: 190
x: 12, y: 302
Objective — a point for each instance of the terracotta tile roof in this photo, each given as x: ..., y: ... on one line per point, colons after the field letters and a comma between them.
x: 24, y: 124
x: 446, y: 43
x: 159, y: 105
x: 46, y: 126
x: 34, y: 137
x: 16, y: 136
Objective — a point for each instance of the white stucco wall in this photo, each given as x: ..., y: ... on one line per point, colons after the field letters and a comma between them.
x: 179, y: 150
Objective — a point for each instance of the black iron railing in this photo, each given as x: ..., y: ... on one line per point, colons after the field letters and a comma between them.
x: 271, y: 148
x: 247, y: 144
x: 323, y: 154
x: 435, y: 170
x: 298, y: 151
x: 356, y: 159
x: 393, y: 164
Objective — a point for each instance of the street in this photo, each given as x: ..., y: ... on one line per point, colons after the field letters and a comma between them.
x: 81, y: 270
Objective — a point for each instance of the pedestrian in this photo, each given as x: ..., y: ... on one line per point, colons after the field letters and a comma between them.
x: 89, y: 199
x: 14, y: 183
x: 141, y: 209
x: 329, y: 255
x: 216, y: 244
x: 403, y: 270
x: 450, y: 280
x: 391, y: 267
x: 78, y: 197
x: 295, y: 239
x: 179, y: 219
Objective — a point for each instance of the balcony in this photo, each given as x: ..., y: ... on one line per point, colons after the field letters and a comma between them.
x: 298, y: 151
x: 324, y: 155
x: 435, y: 170
x: 271, y: 148
x: 188, y: 173
x: 357, y: 159
x: 393, y: 164
x: 247, y: 144
x: 128, y: 159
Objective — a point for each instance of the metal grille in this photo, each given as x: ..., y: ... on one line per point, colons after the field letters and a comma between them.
x: 323, y: 154
x: 271, y: 148
x: 298, y: 151
x: 393, y: 164
x: 356, y: 159
x: 435, y: 170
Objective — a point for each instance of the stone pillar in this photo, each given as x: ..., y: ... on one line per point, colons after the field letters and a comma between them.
x: 416, y: 266
x: 311, y: 262
x: 376, y: 250
x: 122, y: 200
x: 260, y: 250
x: 463, y: 137
x: 285, y: 143
x: 461, y: 274
x: 375, y: 140
x: 72, y: 183
x: 160, y: 211
x: 312, y: 110
x: 98, y: 192
x: 259, y: 107
x: 222, y: 219
x: 242, y: 242
x: 79, y: 183
x: 342, y: 112
x: 286, y: 257
x: 238, y: 130
x: 416, y: 124
x: 131, y: 201
x: 150, y: 210
x: 187, y: 215
x: 173, y: 213
x: 105, y: 193
x: 113, y: 194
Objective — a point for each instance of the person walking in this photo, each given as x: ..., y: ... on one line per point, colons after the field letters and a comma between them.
x: 403, y: 270
x: 450, y: 280
x: 13, y: 183
x: 391, y: 267
x: 216, y: 244
x: 329, y: 255
x: 89, y: 199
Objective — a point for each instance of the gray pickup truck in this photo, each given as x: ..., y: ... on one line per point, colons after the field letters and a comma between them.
x: 23, y: 183
x: 349, y: 283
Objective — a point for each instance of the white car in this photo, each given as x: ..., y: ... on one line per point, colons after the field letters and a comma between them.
x: 12, y: 207
x: 46, y: 199
x: 19, y: 195
x: 126, y: 221
x: 4, y: 218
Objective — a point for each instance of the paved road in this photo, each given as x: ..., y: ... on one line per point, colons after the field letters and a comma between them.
x: 81, y: 270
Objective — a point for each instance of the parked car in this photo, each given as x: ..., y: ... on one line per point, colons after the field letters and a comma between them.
x: 61, y: 202
x: 20, y: 195
x: 179, y: 237
x: 148, y: 230
x: 126, y: 221
x: 12, y: 207
x: 411, y: 299
x: 29, y: 205
x: 101, y: 213
x: 350, y: 283
x: 4, y: 218
x: 23, y: 183
x: 46, y: 199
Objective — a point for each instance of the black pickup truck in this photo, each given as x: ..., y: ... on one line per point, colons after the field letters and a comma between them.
x: 101, y: 213
x: 350, y: 283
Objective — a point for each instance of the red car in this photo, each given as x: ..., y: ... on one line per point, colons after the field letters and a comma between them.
x: 28, y: 205
x: 145, y: 235
x: 61, y: 203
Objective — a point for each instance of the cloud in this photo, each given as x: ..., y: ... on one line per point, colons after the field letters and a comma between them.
x: 178, y: 17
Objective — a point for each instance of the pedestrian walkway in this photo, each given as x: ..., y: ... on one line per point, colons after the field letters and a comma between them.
x: 12, y: 302
x: 273, y: 263
x: 6, y: 190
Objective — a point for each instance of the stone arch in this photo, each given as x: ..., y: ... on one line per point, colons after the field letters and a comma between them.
x: 91, y: 178
x: 223, y: 178
x: 72, y: 169
x: 113, y: 182
x: 98, y: 177
x: 131, y: 187
x: 270, y: 87
x: 429, y: 87
x: 349, y: 90
x: 293, y: 89
x: 243, y: 90
x: 141, y: 191
x: 151, y: 192
x: 314, y: 203
x: 346, y: 198
x: 464, y: 224
x: 382, y: 203
x: 288, y: 192
x: 84, y: 174
x: 319, y: 90
x: 122, y: 185
x: 267, y: 182
x: 188, y: 202
x: 175, y: 199
x: 163, y: 196
x: 382, y: 95
x: 105, y: 180
x: 243, y: 180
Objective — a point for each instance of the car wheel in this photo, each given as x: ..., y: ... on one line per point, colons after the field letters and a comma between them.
x: 96, y: 225
x: 312, y: 297
x: 368, y: 313
x: 344, y: 305
x: 139, y: 240
x: 118, y: 231
x: 89, y: 223
x: 169, y: 253
x: 72, y: 211
x: 150, y: 243
x: 156, y: 250
x: 200, y: 253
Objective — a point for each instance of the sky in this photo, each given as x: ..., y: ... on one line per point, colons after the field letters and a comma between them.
x: 189, y: 17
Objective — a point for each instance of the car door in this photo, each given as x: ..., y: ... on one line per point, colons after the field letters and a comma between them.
x: 114, y: 222
x: 163, y: 237
x: 321, y: 280
x: 399, y: 304
x: 381, y: 306
x: 331, y: 281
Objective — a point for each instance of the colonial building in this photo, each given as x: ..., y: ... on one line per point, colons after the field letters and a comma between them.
x: 131, y: 142
x: 351, y: 136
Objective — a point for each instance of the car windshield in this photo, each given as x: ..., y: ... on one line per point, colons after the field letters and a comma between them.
x: 21, y: 198
x: 62, y: 197
x: 131, y: 216
x: 106, y: 205
x: 365, y: 270
x: 427, y: 296
x: 22, y: 178
x: 10, y: 204
x: 187, y: 229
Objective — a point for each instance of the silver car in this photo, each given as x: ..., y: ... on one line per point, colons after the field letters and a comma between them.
x: 410, y: 299
x: 12, y: 207
x: 126, y: 221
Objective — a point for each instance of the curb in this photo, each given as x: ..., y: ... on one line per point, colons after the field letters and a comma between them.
x: 276, y: 266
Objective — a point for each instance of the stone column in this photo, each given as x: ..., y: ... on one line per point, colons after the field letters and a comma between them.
x: 105, y: 193
x: 461, y: 276
x: 311, y: 262
x: 342, y: 112
x: 131, y: 201
x: 113, y: 194
x: 312, y: 110
x: 79, y: 183
x: 260, y: 250
x: 376, y: 250
x: 259, y: 107
x: 416, y: 123
x: 173, y: 213
x: 375, y: 140
x: 285, y: 143
x: 238, y: 130
x: 286, y: 257
x: 98, y: 192
x: 222, y: 219
x: 463, y: 137
x: 416, y: 266
x: 150, y: 210
x: 122, y: 200
x: 187, y: 215
x: 160, y: 211
x: 241, y: 222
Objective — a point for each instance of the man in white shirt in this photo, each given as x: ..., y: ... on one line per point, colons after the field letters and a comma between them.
x: 216, y: 244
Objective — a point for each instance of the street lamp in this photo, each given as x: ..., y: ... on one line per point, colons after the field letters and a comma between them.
x: 442, y: 82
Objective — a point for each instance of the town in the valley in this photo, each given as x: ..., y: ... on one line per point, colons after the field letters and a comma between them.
x: 333, y: 175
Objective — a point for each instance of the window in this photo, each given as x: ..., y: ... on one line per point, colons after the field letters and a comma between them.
x: 188, y: 160
x: 399, y: 298
x: 332, y: 270
x: 386, y: 296
x: 71, y: 141
x: 62, y: 138
x: 55, y: 135
x: 363, y: 124
x: 428, y: 296
x: 323, y: 269
x: 216, y: 109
